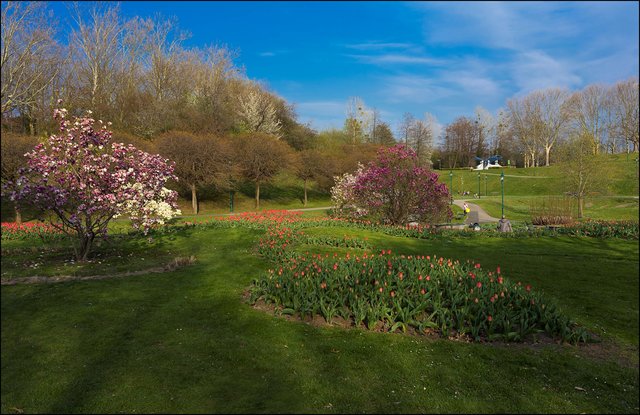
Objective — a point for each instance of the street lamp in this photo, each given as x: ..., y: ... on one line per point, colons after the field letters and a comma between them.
x: 479, y: 185
x: 502, y: 188
x: 451, y: 186
x: 230, y: 190
x: 485, y: 185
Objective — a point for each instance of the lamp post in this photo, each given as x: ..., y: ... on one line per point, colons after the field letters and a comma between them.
x: 451, y: 186
x: 479, y: 185
x: 485, y: 185
x: 502, y: 188
x: 230, y: 190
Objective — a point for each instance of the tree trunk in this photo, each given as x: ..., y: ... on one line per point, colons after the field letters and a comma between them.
x: 194, y: 199
x: 546, y: 159
x: 580, y: 207
x: 82, y: 254
x: 305, y: 193
x: 257, y: 195
x: 18, y: 216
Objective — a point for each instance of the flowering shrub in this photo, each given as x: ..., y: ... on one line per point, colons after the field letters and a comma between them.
x: 422, y: 292
x: 393, y: 189
x: 343, y: 197
x: 28, y: 230
x: 86, y: 181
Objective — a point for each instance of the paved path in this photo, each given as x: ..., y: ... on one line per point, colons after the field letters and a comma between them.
x: 483, y: 217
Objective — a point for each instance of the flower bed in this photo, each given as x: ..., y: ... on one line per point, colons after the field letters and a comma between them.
x: 602, y: 229
x: 28, y: 230
x: 263, y: 220
x: 426, y: 293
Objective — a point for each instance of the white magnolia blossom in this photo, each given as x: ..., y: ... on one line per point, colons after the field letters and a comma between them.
x: 342, y: 192
x: 152, y: 212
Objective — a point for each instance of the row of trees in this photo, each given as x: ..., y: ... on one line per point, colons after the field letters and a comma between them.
x: 224, y: 163
x: 135, y: 72
x: 530, y: 128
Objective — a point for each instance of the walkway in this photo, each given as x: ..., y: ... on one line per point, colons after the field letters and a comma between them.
x: 483, y: 217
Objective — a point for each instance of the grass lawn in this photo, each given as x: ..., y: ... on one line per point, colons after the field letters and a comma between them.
x: 186, y: 340
x: 597, y: 208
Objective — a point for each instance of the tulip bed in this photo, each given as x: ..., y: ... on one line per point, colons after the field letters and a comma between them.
x: 13, y: 231
x: 423, y: 293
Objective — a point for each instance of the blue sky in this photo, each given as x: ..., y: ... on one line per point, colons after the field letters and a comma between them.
x: 444, y: 58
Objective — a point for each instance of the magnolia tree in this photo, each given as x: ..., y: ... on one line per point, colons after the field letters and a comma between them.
x: 86, y: 181
x: 393, y: 189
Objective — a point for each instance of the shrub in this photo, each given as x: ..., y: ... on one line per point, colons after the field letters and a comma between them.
x: 551, y: 211
x: 392, y: 189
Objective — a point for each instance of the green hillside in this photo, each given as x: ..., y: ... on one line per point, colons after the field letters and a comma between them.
x: 542, y: 181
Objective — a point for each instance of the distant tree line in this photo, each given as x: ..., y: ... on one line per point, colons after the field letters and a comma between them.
x: 531, y: 128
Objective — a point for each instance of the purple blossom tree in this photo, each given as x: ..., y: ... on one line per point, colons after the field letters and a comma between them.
x: 394, y: 189
x: 86, y: 181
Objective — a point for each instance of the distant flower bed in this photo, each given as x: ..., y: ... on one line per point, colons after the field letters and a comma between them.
x: 425, y: 293
x: 602, y: 229
x: 263, y: 220
x: 13, y: 231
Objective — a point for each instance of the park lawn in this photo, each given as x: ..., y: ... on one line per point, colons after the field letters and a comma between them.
x: 186, y: 341
x: 541, y: 181
x: 596, y: 208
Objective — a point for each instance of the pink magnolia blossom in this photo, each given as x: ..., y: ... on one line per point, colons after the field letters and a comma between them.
x: 394, y: 189
x: 86, y: 180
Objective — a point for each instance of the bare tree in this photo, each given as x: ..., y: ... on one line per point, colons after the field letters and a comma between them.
x: 625, y: 109
x: 30, y: 57
x: 588, y: 111
x: 210, y: 96
x: 164, y: 49
x: 486, y: 129
x: 404, y: 129
x: 96, y: 41
x: 421, y: 141
x: 359, y: 120
x: 459, y: 145
x: 554, y: 116
x: 526, y: 123
x: 581, y: 171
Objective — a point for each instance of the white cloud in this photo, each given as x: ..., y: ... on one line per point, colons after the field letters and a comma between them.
x: 506, y: 25
x: 398, y: 59
x: 267, y: 54
x: 413, y: 88
x: 378, y: 46
x: 537, y: 70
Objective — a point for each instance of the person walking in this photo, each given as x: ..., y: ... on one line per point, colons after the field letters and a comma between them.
x: 465, y: 208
